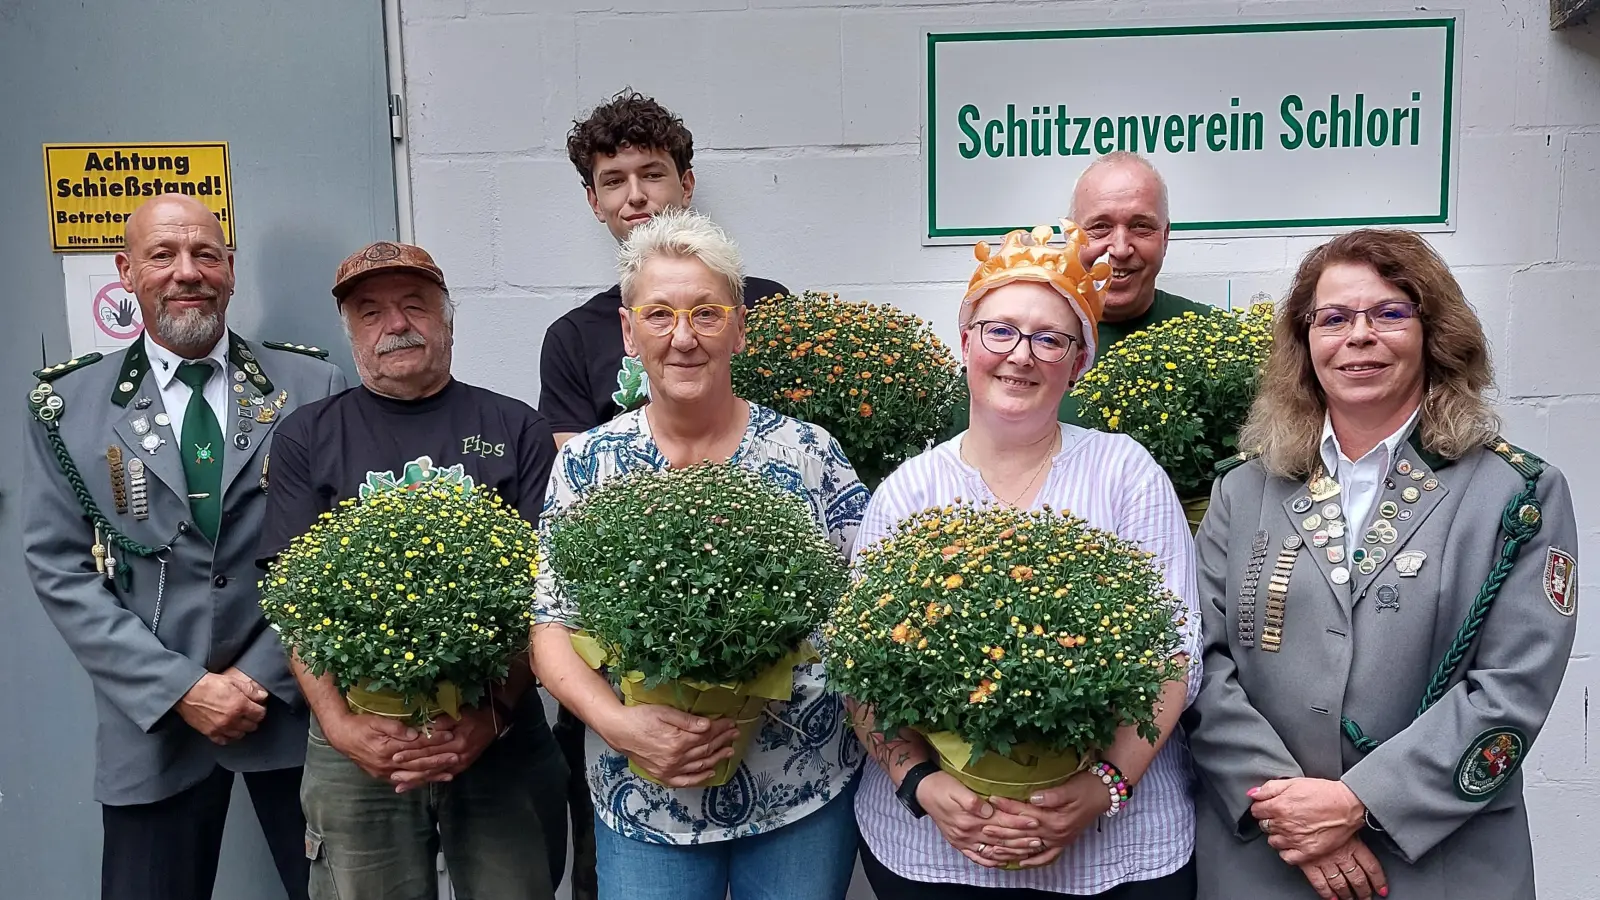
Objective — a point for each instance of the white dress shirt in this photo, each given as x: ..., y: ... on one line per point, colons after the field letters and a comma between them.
x: 1361, y: 481
x: 175, y: 394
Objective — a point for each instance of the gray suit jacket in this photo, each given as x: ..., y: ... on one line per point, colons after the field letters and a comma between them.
x: 209, y: 614
x: 1445, y: 787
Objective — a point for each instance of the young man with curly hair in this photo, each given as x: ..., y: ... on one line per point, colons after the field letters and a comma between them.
x: 634, y: 157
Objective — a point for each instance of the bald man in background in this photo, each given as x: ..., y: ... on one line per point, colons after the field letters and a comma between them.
x: 145, y: 492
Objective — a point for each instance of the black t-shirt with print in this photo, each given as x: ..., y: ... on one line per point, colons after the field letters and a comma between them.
x: 322, y: 452
x: 583, y: 353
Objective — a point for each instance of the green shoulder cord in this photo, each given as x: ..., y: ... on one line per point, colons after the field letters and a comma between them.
x: 1519, y: 522
x: 48, y: 408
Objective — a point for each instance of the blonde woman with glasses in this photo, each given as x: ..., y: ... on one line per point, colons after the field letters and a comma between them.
x: 1387, y: 589
x: 783, y: 826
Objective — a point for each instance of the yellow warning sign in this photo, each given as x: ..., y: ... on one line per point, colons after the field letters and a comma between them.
x: 93, y: 188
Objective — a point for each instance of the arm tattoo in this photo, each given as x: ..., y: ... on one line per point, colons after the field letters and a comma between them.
x: 879, y: 746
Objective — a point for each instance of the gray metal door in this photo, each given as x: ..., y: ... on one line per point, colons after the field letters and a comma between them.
x: 298, y: 88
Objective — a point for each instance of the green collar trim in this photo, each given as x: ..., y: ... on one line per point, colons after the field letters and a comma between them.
x: 1432, y: 460
x: 244, y: 360
x: 137, y: 363
x: 134, y: 367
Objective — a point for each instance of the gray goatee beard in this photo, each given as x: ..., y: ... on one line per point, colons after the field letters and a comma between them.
x: 190, y: 328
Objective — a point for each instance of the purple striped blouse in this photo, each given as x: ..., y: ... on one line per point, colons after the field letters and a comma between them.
x: 1111, y: 481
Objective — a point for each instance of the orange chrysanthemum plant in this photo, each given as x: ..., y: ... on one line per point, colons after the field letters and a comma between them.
x: 1017, y: 641
x: 876, y: 378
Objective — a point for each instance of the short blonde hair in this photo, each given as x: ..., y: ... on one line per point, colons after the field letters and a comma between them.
x: 682, y: 234
x: 1285, y: 422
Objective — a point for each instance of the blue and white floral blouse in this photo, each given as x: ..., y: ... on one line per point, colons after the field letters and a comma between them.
x: 794, y: 765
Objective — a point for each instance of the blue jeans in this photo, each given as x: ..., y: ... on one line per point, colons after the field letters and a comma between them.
x: 808, y: 859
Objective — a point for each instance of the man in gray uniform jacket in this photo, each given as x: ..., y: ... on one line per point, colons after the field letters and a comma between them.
x: 146, y: 487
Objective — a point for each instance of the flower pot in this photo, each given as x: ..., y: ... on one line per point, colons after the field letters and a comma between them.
x: 714, y: 701
x: 745, y: 702
x: 1017, y: 775
x: 1194, y: 510
x: 420, y: 709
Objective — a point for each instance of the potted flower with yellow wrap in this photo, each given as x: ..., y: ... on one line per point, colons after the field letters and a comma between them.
x: 416, y: 594
x: 877, y: 378
x: 1017, y: 642
x: 697, y: 588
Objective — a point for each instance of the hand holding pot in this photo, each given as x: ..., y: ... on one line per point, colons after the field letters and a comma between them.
x: 1063, y: 812
x: 962, y: 815
x: 675, y: 748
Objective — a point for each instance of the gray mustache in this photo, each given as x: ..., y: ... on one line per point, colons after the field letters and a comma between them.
x: 177, y: 293
x: 403, y: 341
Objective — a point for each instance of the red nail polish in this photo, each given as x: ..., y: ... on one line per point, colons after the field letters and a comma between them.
x: 1251, y: 792
x: 1383, y: 891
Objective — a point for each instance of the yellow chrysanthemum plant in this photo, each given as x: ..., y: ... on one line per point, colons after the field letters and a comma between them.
x: 1018, y: 642
x: 697, y: 588
x: 416, y: 594
x: 876, y: 378
x: 1182, y: 388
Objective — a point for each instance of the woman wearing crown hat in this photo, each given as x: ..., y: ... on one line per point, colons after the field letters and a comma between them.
x: 1027, y: 333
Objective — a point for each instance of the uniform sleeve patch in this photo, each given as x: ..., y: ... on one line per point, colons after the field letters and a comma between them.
x: 1491, y: 760
x: 1561, y: 581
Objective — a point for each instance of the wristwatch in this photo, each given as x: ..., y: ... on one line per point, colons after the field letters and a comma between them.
x: 907, y: 792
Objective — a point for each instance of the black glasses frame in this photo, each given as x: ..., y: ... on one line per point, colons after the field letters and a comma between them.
x: 1001, y: 345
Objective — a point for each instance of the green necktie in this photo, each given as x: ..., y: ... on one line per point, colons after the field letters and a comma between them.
x: 201, y: 450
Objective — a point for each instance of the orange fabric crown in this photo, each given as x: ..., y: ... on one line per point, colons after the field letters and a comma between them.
x: 1027, y: 256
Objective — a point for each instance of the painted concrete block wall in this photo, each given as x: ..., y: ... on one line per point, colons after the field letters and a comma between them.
x: 806, y: 116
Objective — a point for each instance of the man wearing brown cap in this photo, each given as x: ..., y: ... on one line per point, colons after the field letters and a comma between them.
x: 381, y: 797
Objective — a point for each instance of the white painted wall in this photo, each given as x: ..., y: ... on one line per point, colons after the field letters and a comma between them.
x: 806, y: 122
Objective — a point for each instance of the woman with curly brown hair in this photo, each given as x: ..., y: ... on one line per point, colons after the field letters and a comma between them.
x: 1387, y: 591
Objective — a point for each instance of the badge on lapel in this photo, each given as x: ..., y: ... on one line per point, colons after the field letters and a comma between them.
x: 1409, y: 563
x: 119, y: 488
x: 1247, y: 590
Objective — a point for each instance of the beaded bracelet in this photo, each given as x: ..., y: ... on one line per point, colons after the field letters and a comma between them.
x: 1112, y: 778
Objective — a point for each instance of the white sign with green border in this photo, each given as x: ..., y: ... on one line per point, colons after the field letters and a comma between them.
x: 1261, y: 127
